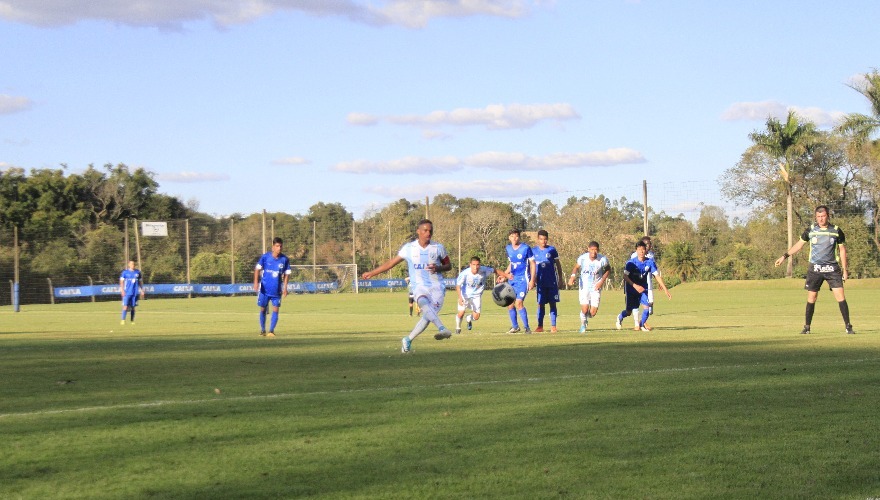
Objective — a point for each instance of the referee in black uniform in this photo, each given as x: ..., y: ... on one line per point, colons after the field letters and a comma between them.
x: 827, y: 263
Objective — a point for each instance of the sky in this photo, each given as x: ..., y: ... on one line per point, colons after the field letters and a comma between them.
x: 245, y: 105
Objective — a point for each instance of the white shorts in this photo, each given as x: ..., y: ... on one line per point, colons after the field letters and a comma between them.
x: 435, y: 295
x: 589, y: 297
x: 472, y: 303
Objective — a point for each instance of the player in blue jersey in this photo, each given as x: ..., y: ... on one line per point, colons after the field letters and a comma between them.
x: 592, y: 269
x: 635, y: 277
x: 470, y: 284
x: 271, y: 275
x: 548, y: 279
x: 426, y: 260
x: 827, y: 263
x: 130, y: 286
x: 649, y: 253
x: 522, y: 268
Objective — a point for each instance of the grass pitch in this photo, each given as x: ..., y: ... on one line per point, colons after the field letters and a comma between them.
x: 724, y: 399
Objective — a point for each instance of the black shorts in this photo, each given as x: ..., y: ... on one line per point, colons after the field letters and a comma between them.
x: 817, y: 274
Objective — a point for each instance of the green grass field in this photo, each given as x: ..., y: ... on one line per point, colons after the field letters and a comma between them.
x: 724, y: 399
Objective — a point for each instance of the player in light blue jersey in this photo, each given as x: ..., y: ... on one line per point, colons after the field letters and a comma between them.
x: 426, y: 260
x: 649, y: 253
x: 522, y: 268
x: 592, y: 269
x: 130, y: 286
x: 470, y: 284
x: 548, y: 279
x: 635, y: 277
x: 271, y: 275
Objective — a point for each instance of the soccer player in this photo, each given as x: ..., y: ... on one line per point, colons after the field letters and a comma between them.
x: 548, y: 279
x: 271, y: 275
x: 522, y: 268
x: 827, y: 263
x: 130, y: 284
x: 635, y: 277
x: 592, y: 269
x: 470, y: 284
x: 649, y: 245
x: 426, y: 260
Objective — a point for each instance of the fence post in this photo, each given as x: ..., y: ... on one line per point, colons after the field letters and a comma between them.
x: 15, y: 287
x: 51, y: 292
x: 91, y: 287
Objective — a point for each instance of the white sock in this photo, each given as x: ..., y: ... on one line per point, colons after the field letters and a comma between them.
x: 457, y: 322
x: 469, y: 318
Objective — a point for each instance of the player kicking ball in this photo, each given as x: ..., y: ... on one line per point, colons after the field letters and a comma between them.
x: 635, y: 277
x: 470, y: 285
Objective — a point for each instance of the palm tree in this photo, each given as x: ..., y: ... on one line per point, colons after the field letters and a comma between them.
x: 680, y: 259
x: 862, y: 127
x: 785, y: 142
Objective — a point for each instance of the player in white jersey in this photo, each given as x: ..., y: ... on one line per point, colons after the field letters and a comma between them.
x: 426, y: 259
x: 649, y: 255
x: 592, y: 269
x: 470, y: 284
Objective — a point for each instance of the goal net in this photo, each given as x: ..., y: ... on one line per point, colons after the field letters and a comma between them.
x: 323, y: 278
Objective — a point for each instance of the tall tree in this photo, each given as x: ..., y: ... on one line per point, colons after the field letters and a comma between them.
x: 785, y: 142
x: 861, y: 126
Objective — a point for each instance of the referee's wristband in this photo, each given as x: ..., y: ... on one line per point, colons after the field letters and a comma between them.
x: 785, y: 255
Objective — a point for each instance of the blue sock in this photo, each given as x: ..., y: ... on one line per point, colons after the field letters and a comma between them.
x: 524, y: 317
x: 541, y: 314
x: 512, y: 313
x: 645, y: 315
x: 262, y: 320
x: 553, y: 314
x: 274, y: 321
x: 124, y: 312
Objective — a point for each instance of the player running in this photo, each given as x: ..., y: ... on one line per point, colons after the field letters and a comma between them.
x: 649, y: 253
x: 548, y: 279
x: 470, y: 284
x: 635, y: 277
x: 591, y: 269
x: 522, y: 268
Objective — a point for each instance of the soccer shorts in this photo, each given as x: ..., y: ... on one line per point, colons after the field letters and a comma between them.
x: 635, y: 299
x: 474, y: 303
x: 589, y: 296
x: 817, y: 274
x: 130, y: 300
x: 435, y: 295
x: 547, y: 294
x: 521, y: 288
x: 263, y: 300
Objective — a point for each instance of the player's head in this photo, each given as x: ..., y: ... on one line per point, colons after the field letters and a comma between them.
x: 822, y: 214
x: 131, y: 265
x: 648, y: 243
x: 424, y: 230
x: 277, y: 246
x: 593, y: 249
x: 641, y: 248
x: 513, y: 236
x: 475, y: 264
x: 543, y: 236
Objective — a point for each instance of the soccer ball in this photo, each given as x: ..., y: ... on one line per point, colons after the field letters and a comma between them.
x: 503, y: 294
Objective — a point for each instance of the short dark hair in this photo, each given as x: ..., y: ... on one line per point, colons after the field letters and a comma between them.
x: 646, y: 239
x: 277, y: 239
x: 593, y: 243
x: 642, y: 244
x: 513, y: 231
x: 425, y: 221
x: 544, y: 233
x: 823, y: 208
x: 475, y: 258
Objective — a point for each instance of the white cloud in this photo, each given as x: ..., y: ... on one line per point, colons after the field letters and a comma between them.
x: 173, y: 13
x: 493, y: 116
x: 192, y: 177
x: 291, y: 160
x: 760, y: 111
x: 12, y: 104
x: 407, y: 165
x: 474, y: 189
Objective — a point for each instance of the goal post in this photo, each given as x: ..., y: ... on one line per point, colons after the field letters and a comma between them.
x: 324, y: 278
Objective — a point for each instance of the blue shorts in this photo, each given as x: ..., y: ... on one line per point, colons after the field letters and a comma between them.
x: 263, y: 300
x: 634, y: 299
x: 521, y: 288
x: 129, y: 300
x: 547, y: 294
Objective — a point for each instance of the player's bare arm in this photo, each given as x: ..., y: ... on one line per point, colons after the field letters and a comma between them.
x: 663, y: 286
x: 574, y: 273
x: 791, y: 251
x: 843, y: 262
